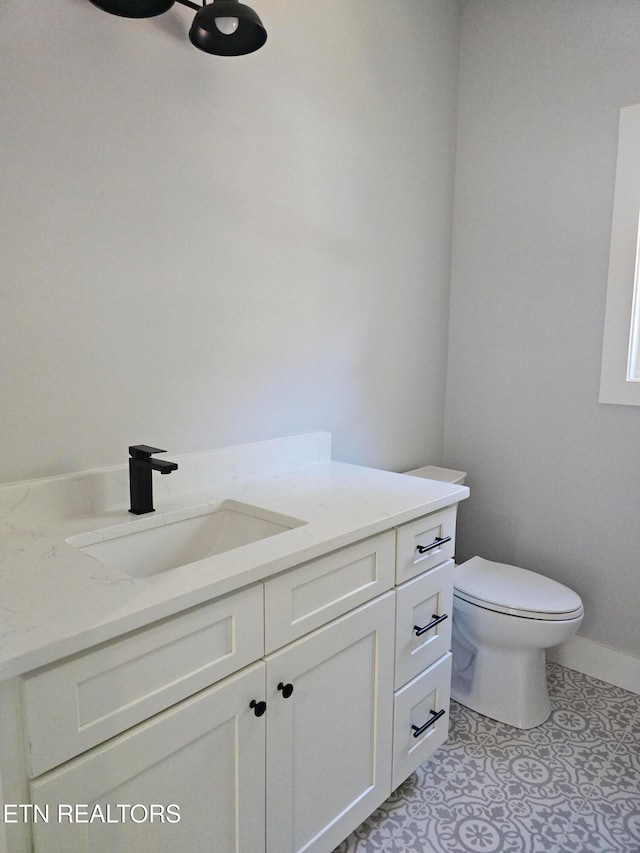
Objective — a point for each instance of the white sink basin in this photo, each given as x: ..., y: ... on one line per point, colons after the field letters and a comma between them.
x: 152, y: 545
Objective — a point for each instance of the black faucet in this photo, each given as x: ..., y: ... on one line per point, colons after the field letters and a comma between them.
x: 140, y: 466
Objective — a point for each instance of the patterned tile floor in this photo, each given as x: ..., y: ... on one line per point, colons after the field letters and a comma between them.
x: 572, y: 785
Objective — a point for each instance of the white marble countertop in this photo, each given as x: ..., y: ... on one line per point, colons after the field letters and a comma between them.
x: 55, y: 600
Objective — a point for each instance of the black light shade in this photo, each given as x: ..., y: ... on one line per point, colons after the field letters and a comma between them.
x: 239, y: 32
x: 205, y: 34
x: 134, y: 8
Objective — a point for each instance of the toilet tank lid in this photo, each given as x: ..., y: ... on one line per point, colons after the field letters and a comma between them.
x: 444, y: 475
x: 514, y: 588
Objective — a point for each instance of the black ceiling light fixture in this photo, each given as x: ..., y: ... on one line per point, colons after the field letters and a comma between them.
x: 224, y: 27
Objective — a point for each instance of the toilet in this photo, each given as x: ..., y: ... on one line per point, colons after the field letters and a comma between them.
x: 504, y: 619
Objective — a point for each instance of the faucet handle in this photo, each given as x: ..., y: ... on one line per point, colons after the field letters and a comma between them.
x: 143, y: 451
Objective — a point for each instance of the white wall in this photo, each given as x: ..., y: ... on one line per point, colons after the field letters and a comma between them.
x: 200, y: 252
x: 555, y: 476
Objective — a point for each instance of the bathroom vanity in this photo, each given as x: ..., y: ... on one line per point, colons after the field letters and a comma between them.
x: 265, y: 699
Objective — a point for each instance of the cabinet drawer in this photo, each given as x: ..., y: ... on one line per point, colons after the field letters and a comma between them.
x: 313, y: 594
x: 419, y: 727
x: 435, y: 534
x: 73, y: 706
x: 419, y: 603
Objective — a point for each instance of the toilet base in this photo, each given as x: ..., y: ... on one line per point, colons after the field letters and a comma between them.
x: 509, y: 687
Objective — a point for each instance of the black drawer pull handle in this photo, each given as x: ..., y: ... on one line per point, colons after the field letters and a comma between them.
x: 417, y: 731
x: 287, y: 689
x: 439, y: 540
x: 436, y: 621
x: 258, y: 707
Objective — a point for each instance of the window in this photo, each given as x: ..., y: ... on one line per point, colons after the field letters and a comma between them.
x: 633, y: 359
x: 620, y: 374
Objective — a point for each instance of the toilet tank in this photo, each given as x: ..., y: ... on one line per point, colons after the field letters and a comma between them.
x: 445, y: 475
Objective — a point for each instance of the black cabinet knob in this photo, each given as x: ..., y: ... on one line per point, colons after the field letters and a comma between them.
x: 287, y: 689
x: 258, y: 707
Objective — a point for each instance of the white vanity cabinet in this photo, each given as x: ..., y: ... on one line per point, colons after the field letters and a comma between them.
x: 276, y: 718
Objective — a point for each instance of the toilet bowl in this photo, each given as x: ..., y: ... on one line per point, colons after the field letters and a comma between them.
x: 504, y: 618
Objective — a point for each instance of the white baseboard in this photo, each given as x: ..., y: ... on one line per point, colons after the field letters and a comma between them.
x: 599, y: 661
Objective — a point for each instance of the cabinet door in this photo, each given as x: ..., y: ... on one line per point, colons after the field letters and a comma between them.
x: 206, y: 756
x: 329, y: 741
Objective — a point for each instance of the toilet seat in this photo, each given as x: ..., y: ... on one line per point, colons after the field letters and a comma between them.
x: 514, y: 591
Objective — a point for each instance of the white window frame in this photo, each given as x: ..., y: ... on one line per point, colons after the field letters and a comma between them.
x: 620, y: 371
